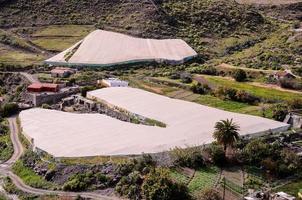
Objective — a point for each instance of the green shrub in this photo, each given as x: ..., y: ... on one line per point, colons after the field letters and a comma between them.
x: 200, y: 88
x: 130, y: 186
x: 279, y: 112
x: 239, y: 75
x: 256, y: 151
x: 9, y: 109
x: 186, y: 77
x: 190, y: 157
x: 158, y: 185
x: 217, y: 154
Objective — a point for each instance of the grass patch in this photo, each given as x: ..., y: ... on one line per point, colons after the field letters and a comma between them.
x: 94, y: 160
x: 178, y: 176
x: 56, y: 44
x: 58, y: 38
x: 266, y: 93
x: 203, y: 178
x: 30, y: 177
x: 64, y: 30
x: 9, y: 56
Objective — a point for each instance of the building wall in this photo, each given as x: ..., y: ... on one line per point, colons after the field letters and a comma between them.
x: 39, y: 99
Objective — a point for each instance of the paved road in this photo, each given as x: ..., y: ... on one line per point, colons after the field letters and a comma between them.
x: 5, y: 170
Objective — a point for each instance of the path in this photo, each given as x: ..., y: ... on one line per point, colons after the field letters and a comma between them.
x: 5, y: 170
x: 31, y: 78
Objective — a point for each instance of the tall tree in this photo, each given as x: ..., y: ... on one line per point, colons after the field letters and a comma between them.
x: 226, y: 133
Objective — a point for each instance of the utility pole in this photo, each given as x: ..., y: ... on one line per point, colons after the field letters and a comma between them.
x: 223, y: 197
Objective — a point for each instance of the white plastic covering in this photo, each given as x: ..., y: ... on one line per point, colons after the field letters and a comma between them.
x: 65, y: 134
x: 103, y: 48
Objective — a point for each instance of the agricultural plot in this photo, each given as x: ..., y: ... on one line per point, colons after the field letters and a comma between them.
x: 17, y: 57
x: 266, y: 93
x: 59, y: 38
x: 203, y: 178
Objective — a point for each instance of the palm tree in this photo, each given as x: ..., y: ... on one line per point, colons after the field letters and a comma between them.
x: 226, y: 133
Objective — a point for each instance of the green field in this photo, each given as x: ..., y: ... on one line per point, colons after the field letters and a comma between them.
x: 56, y: 44
x: 19, y: 57
x: 178, y: 176
x: 64, y: 30
x: 58, y: 38
x: 203, y: 178
x: 266, y: 93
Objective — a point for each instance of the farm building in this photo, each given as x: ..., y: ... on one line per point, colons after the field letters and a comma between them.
x: 113, y: 82
x: 105, y: 48
x: 64, y: 134
x: 61, y: 72
x: 43, y: 87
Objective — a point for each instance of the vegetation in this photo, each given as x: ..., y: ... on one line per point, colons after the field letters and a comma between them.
x: 239, y: 75
x: 190, y: 157
x: 22, y: 168
x: 204, y: 178
x: 208, y: 194
x: 226, y: 133
x: 158, y: 185
x: 9, y: 109
x: 6, y: 146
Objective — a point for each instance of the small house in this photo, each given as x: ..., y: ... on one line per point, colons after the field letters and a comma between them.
x: 113, y: 82
x: 62, y: 72
x: 43, y: 87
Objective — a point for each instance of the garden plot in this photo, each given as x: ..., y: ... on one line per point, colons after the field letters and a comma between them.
x: 187, y: 124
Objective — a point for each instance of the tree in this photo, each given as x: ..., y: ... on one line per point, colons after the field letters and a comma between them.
x: 208, y: 194
x: 158, y: 185
x: 239, y: 75
x: 226, y: 133
x: 9, y: 109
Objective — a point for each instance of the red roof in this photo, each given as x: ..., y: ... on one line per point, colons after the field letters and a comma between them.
x: 42, y: 85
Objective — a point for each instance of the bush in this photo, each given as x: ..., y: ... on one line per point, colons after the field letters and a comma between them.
x: 186, y: 77
x: 255, y: 151
x: 79, y: 182
x: 279, y: 112
x: 217, y: 154
x: 294, y: 84
x: 245, y: 97
x: 295, y: 104
x: 190, y: 157
x: 209, y: 70
x: 239, y: 75
x: 200, y: 88
x: 86, y: 89
x: 158, y: 185
x: 175, y: 75
x: 130, y: 186
x: 208, y: 194
x: 9, y: 109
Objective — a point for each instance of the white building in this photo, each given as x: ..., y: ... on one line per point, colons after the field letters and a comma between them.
x: 113, y: 82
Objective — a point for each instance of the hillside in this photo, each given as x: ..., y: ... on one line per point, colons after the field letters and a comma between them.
x: 214, y: 28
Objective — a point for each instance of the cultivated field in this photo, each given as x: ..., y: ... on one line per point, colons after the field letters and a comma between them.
x: 74, y: 135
